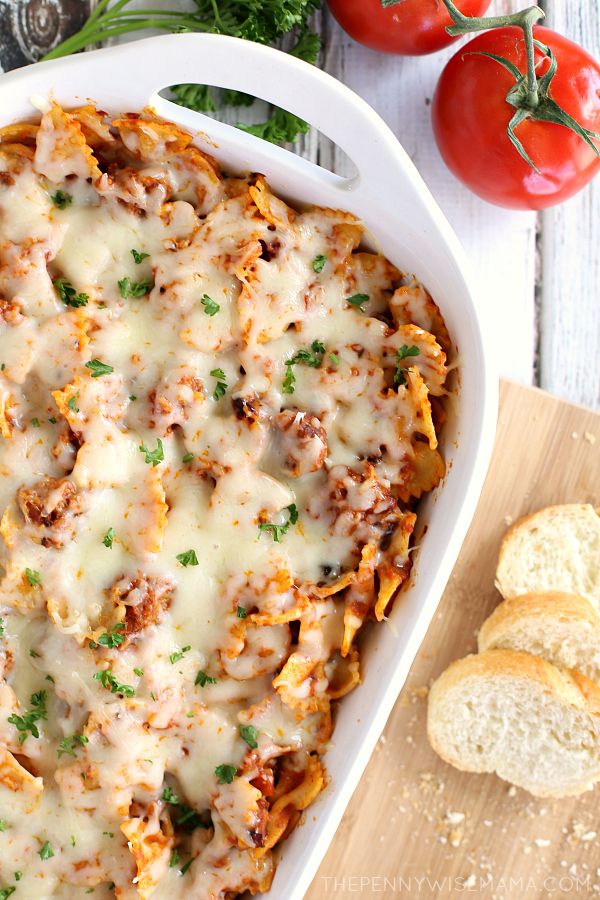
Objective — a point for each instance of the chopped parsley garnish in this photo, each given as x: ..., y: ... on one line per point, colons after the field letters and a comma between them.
x: 3, y: 824
x: 358, y: 300
x: 319, y: 263
x: 185, y: 867
x: 1, y: 627
x: 52, y: 420
x: 108, y: 681
x: 50, y: 679
x: 221, y: 386
x: 68, y: 745
x: 18, y: 875
x: 187, y: 458
x: 113, y: 638
x: 26, y: 722
x: 188, y: 558
x: 139, y: 257
x: 153, y: 457
x: 72, y: 404
x: 152, y: 694
x: 35, y: 422
x: 203, y: 679
x: 312, y: 357
x: 334, y: 359
x: 250, y: 735
x: 2, y: 367
x: 33, y: 577
x: 7, y: 892
x: 108, y: 538
x: 98, y: 368
x: 34, y: 653
x: 174, y: 860
x: 129, y: 288
x: 211, y: 307
x: 178, y: 654
x: 139, y: 672
x: 225, y: 774
x: 241, y: 612
x: 403, y: 353
x: 132, y: 397
x: 188, y: 816
x: 278, y: 531
x: 61, y: 199
x: 46, y: 852
x: 169, y: 796
x: 68, y: 294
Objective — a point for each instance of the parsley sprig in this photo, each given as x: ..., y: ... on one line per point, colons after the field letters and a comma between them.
x: 129, y: 288
x: 211, y: 307
x: 98, y: 368
x: 225, y: 773
x: 278, y: 531
x: 139, y: 257
x: 69, y: 745
x: 153, y: 457
x: 263, y: 21
x: 188, y: 558
x: 25, y: 724
x: 312, y: 357
x: 221, y: 386
x: 108, y: 681
x: 358, y: 301
x: 403, y: 353
x: 68, y: 294
x: 61, y: 199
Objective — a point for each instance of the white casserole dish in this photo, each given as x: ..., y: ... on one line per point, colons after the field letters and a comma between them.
x: 406, y: 224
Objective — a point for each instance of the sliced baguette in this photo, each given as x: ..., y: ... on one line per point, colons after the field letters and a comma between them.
x: 562, y: 628
x: 555, y: 549
x: 517, y: 715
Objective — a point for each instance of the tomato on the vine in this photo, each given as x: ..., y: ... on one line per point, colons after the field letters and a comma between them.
x: 407, y: 27
x: 471, y: 117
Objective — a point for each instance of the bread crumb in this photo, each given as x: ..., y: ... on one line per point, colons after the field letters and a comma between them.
x: 589, y: 437
x: 512, y: 791
x: 542, y: 842
x: 508, y: 520
x: 588, y: 836
x: 471, y: 881
x: 454, y: 818
x: 455, y: 837
x: 574, y: 435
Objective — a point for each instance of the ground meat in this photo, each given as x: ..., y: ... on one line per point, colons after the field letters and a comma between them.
x: 145, y: 598
x: 49, y: 508
x: 258, y: 831
x: 356, y: 503
x: 171, y: 401
x: 303, y: 441
x: 247, y: 409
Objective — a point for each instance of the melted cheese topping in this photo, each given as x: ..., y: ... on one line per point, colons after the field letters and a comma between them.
x: 216, y: 419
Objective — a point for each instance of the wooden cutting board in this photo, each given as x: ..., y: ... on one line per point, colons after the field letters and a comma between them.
x: 413, y: 819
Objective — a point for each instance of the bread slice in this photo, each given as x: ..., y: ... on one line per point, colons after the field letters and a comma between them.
x: 562, y: 628
x: 555, y: 549
x: 517, y: 715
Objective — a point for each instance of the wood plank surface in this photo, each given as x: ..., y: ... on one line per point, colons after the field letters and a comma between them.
x: 415, y: 818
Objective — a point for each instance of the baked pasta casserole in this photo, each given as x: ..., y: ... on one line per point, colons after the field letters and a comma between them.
x: 217, y: 416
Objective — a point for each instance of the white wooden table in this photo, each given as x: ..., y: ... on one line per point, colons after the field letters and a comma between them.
x: 539, y: 275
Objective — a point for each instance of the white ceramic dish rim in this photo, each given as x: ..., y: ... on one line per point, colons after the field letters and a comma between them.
x: 407, y: 225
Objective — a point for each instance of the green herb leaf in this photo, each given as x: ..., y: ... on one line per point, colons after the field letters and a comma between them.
x: 358, y: 300
x: 108, y: 681
x: 129, y: 288
x: 61, y: 199
x: 221, y: 387
x: 113, y: 638
x: 178, y: 654
x: 98, y: 368
x: 153, y: 457
x: 250, y: 735
x: 242, y: 612
x: 53, y: 420
x: 225, y: 774
x: 203, y: 679
x: 139, y: 257
x: 188, y: 457
x: 46, y: 852
x: 211, y: 307
x: 3, y: 824
x: 7, y: 892
x: 319, y: 263
x: 18, y: 875
x: 68, y: 745
x: 72, y: 404
x: 33, y: 577
x: 34, y: 653
x: 278, y: 531
x: 26, y: 722
x: 169, y: 796
x: 289, y: 382
x: 334, y: 359
x: 174, y: 860
x: 184, y: 868
x: 68, y: 294
x: 188, y: 558
x: 35, y: 422
x: 108, y: 538
x: 139, y: 672
x: 1, y: 627
x: 403, y: 353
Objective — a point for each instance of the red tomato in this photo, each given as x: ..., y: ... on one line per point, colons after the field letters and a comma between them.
x: 409, y: 27
x: 470, y: 116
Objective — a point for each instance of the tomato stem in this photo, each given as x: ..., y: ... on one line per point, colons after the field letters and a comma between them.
x: 524, y: 19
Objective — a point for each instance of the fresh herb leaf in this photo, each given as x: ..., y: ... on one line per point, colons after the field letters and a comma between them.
x: 98, y: 368
x: 72, y: 404
x: 169, y: 796
x: 68, y: 745
x: 132, y: 397
x: 188, y: 558
x: 250, y: 735
x: 199, y: 97
x: 129, y: 288
x: 61, y: 199
x: 3, y: 824
x: 358, y: 300
x: 289, y: 382
x: 203, y: 679
x: 153, y: 457
x: 33, y: 653
x: 139, y: 257
x: 26, y: 722
x: 188, y: 457
x: 1, y: 627
x: 185, y: 867
x: 68, y: 294
x: 225, y: 774
x: 242, y: 612
x: 404, y: 352
x: 108, y: 681
x: 211, y: 307
x: 18, y: 875
x: 319, y: 263
x: 113, y: 638
x: 108, y: 538
x: 174, y: 860
x: 221, y: 386
x: 178, y: 654
x: 312, y: 357
x: 334, y: 359
x: 46, y: 852
x: 139, y: 672
x: 53, y: 420
x: 35, y: 422
x: 7, y: 892
x: 278, y: 531
x: 282, y: 127
x: 33, y: 577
